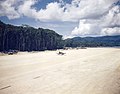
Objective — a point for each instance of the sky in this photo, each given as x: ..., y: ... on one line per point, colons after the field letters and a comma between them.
x: 69, y: 18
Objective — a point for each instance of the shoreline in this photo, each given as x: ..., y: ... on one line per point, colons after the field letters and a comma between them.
x: 69, y: 48
x: 82, y: 71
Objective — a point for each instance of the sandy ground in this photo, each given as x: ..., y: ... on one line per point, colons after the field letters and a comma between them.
x: 83, y: 71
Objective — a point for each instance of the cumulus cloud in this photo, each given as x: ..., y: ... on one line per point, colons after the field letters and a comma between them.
x: 86, y: 28
x: 61, y: 11
x: 110, y: 31
x: 112, y: 18
x: 7, y: 8
x: 96, y: 17
x: 107, y: 24
x: 53, y: 11
x: 25, y: 9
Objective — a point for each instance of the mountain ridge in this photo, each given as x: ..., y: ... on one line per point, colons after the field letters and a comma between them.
x: 105, y: 41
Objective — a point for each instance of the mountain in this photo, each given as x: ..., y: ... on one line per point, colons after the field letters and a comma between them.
x: 104, y: 41
x: 27, y: 38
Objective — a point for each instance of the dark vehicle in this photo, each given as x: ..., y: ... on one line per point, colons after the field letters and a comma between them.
x: 11, y: 52
x: 61, y: 53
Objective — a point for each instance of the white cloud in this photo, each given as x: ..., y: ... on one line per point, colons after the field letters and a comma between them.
x: 112, y: 18
x: 26, y: 8
x: 108, y: 24
x: 86, y: 28
x: 7, y: 8
x: 96, y: 17
x: 53, y: 11
x: 60, y: 11
x: 110, y: 31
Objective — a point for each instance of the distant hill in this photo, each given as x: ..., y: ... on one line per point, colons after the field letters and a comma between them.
x: 104, y: 41
x: 27, y: 38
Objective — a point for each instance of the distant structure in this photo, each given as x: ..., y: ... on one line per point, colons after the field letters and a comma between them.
x: 60, y: 53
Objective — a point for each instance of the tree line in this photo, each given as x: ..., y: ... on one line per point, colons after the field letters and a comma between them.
x: 26, y: 38
x: 104, y: 41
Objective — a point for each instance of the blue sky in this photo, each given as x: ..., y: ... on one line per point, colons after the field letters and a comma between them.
x: 67, y: 17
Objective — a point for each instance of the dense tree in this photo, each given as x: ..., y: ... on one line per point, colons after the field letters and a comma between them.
x: 26, y: 38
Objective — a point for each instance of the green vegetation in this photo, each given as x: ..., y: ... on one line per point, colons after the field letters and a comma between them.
x: 105, y: 41
x: 26, y: 38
